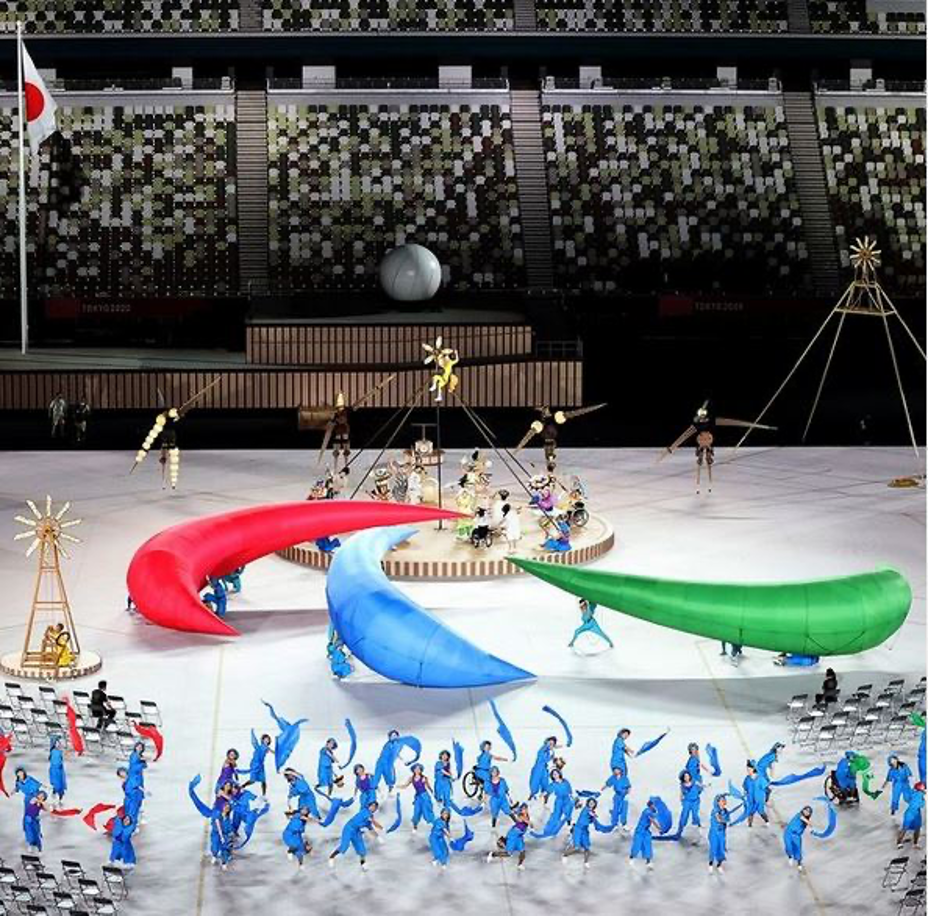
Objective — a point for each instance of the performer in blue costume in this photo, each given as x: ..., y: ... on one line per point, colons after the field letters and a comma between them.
x: 719, y: 824
x: 439, y: 836
x: 793, y: 835
x: 642, y: 835
x: 28, y: 786
x: 484, y: 762
x: 216, y: 599
x: 844, y: 777
x: 325, y: 772
x: 122, y: 849
x: 234, y: 579
x: 690, y: 801
x: 589, y: 624
x: 300, y: 789
x: 138, y: 765
x: 339, y: 664
x: 620, y: 750
x: 385, y: 768
x: 442, y: 779
x: 56, y: 771
x: 514, y: 843
x: 133, y: 795
x: 913, y: 816
x: 538, y: 777
x: 256, y: 768
x: 755, y: 788
x: 696, y: 768
x: 558, y: 539
x: 32, y: 828
x: 353, y: 835
x: 228, y: 772
x: 221, y: 835
x: 564, y: 796
x: 364, y: 786
x: 294, y: 835
x: 497, y: 792
x: 898, y: 775
x: 422, y: 799
x: 619, y: 783
x: 580, y: 832
x: 765, y: 765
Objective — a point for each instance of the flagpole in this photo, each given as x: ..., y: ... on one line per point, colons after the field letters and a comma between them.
x: 21, y: 101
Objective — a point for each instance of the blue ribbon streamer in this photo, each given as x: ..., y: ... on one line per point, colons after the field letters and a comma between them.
x: 503, y: 731
x: 569, y: 738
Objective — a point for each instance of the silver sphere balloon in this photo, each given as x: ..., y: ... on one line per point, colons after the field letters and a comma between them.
x: 410, y: 273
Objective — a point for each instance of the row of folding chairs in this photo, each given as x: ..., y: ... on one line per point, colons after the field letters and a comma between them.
x: 889, y: 699
x: 47, y: 698
x: 896, y: 873
x: 868, y: 729
x: 33, y: 889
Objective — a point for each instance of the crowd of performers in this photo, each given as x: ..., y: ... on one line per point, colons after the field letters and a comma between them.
x: 39, y: 800
x: 401, y: 785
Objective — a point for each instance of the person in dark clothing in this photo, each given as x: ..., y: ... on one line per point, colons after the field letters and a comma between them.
x: 100, y: 706
x: 830, y: 689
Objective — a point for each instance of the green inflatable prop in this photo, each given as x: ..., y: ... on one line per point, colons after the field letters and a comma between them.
x: 825, y: 617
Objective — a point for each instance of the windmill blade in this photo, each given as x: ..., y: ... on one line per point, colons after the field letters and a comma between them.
x: 25, y: 521
x: 71, y: 523
x: 330, y: 427
x: 69, y: 537
x: 32, y: 547
x: 374, y: 391
x: 678, y: 442
x: 62, y: 511
x: 48, y: 505
x: 35, y: 511
x: 64, y: 552
x: 23, y: 535
x: 530, y: 433
x: 745, y: 424
x: 580, y: 411
x: 196, y: 396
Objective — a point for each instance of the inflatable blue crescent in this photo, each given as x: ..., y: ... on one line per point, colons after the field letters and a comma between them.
x: 392, y: 634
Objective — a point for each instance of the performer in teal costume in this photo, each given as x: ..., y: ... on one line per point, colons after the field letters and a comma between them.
x: 793, y: 835
x: 442, y: 779
x: 898, y: 775
x: 56, y: 771
x: 619, y: 783
x: 589, y: 623
x: 353, y: 835
x: 719, y: 824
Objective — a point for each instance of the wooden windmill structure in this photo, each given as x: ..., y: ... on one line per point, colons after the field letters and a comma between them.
x: 51, y: 648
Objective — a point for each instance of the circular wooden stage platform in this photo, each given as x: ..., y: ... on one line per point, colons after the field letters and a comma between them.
x: 436, y: 554
x: 86, y: 663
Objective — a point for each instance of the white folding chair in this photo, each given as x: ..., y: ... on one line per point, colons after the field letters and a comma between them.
x: 151, y: 712
x: 894, y: 871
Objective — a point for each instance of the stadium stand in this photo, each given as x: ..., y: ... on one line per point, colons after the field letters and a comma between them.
x: 349, y: 180
x: 136, y: 198
x: 855, y: 16
x: 875, y: 159
x: 386, y: 15
x: 92, y: 16
x: 663, y: 15
x: 651, y: 192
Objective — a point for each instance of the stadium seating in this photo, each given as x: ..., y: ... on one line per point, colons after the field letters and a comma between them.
x: 93, y: 16
x: 831, y: 16
x: 387, y: 15
x: 876, y: 174
x: 649, y: 196
x: 663, y: 15
x: 348, y: 182
x: 127, y: 200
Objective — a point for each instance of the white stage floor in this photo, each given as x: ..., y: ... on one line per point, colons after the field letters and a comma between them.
x: 774, y: 515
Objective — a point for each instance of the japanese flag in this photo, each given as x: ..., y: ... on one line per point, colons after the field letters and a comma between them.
x: 40, y: 106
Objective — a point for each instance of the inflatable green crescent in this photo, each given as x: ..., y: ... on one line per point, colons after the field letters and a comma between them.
x: 824, y: 617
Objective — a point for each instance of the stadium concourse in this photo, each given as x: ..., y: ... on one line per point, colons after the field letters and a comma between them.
x: 530, y: 260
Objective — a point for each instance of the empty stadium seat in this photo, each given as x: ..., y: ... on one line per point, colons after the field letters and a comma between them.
x: 349, y: 182
x: 854, y: 16
x: 875, y: 164
x: 650, y: 196
x: 387, y: 15
x: 83, y: 16
x: 662, y: 15
x: 130, y: 199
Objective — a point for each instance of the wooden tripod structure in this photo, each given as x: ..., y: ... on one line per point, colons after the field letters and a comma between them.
x: 49, y: 606
x: 863, y: 296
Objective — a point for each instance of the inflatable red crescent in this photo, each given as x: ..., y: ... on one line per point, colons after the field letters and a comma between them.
x: 169, y: 570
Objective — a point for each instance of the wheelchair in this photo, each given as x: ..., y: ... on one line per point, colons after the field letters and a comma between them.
x: 473, y: 785
x: 840, y: 796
